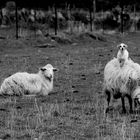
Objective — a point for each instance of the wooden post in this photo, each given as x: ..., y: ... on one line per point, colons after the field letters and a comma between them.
x: 69, y: 19
x: 90, y: 13
x: 103, y: 26
x: 122, y: 8
x: 16, y: 14
x: 56, y: 19
x: 94, y: 10
x: 135, y: 25
x: 94, y: 6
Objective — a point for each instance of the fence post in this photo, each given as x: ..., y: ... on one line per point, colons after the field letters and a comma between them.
x: 122, y: 7
x: 90, y: 19
x: 90, y: 14
x: 135, y: 25
x: 69, y: 19
x: 56, y: 19
x: 16, y: 9
x: 94, y: 11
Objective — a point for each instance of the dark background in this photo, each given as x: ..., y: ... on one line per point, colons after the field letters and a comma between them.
x: 100, y: 4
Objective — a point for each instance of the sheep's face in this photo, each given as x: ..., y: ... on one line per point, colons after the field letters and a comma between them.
x: 122, y: 47
x: 122, y: 54
x: 48, y: 71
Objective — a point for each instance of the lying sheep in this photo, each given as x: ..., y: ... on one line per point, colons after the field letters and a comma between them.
x: 121, y: 82
x: 23, y: 83
x: 123, y: 54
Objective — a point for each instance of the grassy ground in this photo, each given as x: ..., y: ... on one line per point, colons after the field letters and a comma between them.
x: 75, y: 110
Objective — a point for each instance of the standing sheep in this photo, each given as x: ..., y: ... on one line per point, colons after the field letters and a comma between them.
x: 121, y: 82
x: 23, y: 83
x: 122, y: 54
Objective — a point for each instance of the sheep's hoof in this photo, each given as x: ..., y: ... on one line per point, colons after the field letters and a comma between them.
x: 106, y: 111
x: 133, y: 121
x: 123, y: 111
x: 131, y: 111
x: 110, y: 108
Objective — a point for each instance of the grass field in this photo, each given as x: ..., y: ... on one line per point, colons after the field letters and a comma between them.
x: 75, y: 110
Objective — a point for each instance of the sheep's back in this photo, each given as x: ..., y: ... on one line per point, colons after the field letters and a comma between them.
x: 21, y: 83
x: 119, y: 78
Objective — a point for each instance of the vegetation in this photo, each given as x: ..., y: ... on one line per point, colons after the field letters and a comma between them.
x: 76, y: 108
x: 100, y: 4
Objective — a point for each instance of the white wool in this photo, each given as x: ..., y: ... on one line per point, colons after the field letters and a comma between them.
x: 23, y: 83
x: 123, y: 79
x: 120, y: 82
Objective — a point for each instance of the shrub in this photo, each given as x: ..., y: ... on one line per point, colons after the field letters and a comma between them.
x: 10, y: 5
x: 62, y: 22
x: 81, y: 16
x: 106, y: 23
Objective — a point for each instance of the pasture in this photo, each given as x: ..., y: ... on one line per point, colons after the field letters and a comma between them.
x: 75, y: 110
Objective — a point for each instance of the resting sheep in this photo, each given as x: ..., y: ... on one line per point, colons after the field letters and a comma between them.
x: 23, y: 83
x: 121, y: 82
x: 122, y: 54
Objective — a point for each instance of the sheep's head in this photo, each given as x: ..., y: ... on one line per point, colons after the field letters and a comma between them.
x: 122, y: 47
x: 48, y: 71
x: 122, y: 54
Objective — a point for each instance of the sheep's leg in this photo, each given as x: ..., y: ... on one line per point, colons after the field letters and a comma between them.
x: 130, y: 103
x: 108, y: 96
x: 135, y: 102
x: 123, y: 104
x: 108, y: 100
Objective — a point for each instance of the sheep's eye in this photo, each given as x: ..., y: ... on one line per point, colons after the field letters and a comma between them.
x: 42, y: 69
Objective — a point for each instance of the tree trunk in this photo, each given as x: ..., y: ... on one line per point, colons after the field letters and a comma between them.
x: 122, y: 8
x: 16, y: 20
x: 56, y: 19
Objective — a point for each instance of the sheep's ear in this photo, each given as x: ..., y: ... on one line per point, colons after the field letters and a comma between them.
x: 55, y: 69
x: 42, y: 69
x: 126, y: 46
x: 118, y: 46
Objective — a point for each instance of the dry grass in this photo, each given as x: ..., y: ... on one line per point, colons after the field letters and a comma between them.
x: 76, y: 109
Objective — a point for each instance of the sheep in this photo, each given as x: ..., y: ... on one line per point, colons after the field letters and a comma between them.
x: 121, y: 82
x: 23, y: 83
x: 123, y: 54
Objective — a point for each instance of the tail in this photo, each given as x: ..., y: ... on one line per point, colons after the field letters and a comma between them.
x: 2, y: 95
